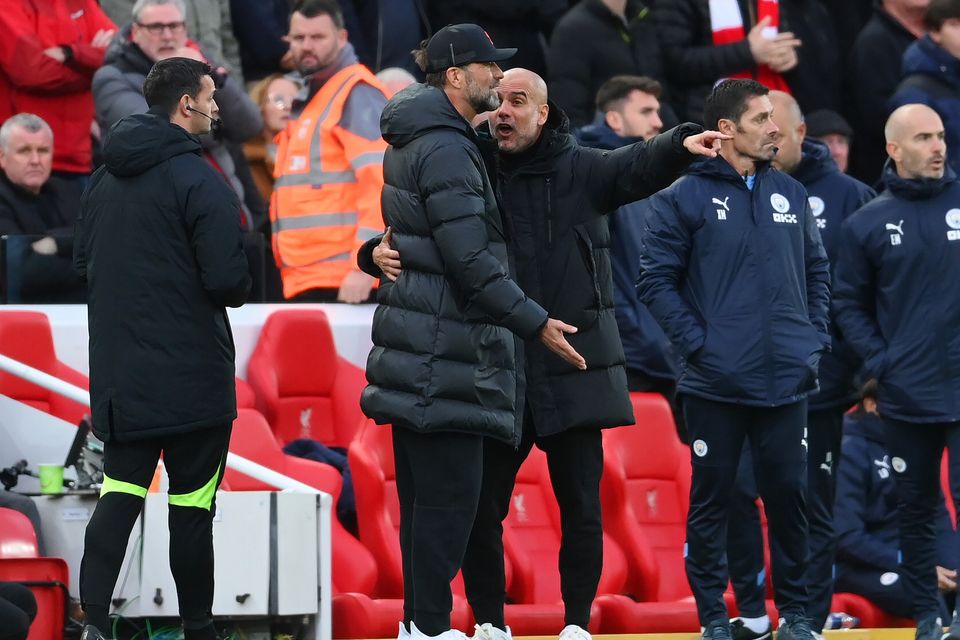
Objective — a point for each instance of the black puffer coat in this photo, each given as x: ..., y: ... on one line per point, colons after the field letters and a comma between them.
x: 444, y: 357
x: 556, y: 197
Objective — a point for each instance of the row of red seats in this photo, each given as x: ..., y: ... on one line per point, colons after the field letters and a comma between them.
x: 297, y: 380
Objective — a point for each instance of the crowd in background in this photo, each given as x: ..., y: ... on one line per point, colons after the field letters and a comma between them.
x: 79, y: 64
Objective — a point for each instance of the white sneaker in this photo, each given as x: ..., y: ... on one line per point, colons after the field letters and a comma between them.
x: 487, y: 631
x: 403, y: 634
x: 450, y: 634
x: 573, y: 632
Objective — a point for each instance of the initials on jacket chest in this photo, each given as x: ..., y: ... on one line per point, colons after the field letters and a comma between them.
x: 905, y: 240
x: 731, y: 221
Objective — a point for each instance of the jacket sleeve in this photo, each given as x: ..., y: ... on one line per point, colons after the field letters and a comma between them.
x: 639, y: 170
x: 241, y: 117
x: 114, y: 97
x: 365, y: 257
x: 453, y: 189
x: 212, y: 215
x: 689, y: 61
x: 854, y: 303
x: 817, y: 268
x: 23, y: 61
x: 665, y: 252
x: 87, y: 58
x: 854, y: 543
x: 570, y: 75
x: 359, y: 133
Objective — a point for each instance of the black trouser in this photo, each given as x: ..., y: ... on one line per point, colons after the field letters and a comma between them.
x: 194, y: 463
x: 745, y: 539
x: 18, y: 608
x: 776, y: 436
x: 438, y: 484
x: 915, y: 452
x: 575, y: 460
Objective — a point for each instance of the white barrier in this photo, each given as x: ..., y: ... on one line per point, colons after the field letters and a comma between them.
x: 323, y: 627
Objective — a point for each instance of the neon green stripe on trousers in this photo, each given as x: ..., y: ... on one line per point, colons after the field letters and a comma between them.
x: 119, y: 486
x: 202, y: 498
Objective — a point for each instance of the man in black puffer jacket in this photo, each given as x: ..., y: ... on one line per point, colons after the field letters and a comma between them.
x: 158, y: 241
x: 733, y: 269
x: 555, y: 196
x: 898, y: 305
x: 446, y: 366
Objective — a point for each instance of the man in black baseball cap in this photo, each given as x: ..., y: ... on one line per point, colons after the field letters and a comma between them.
x: 830, y: 128
x: 457, y: 45
x: 446, y: 361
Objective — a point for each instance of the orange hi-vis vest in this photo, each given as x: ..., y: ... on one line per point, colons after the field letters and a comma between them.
x: 326, y: 199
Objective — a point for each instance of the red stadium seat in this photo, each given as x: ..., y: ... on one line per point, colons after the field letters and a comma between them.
x: 378, y: 517
x: 47, y: 578
x: 871, y: 616
x: 645, y: 492
x: 25, y: 336
x: 353, y: 567
x: 18, y: 539
x: 246, y: 398
x: 378, y: 509
x: 303, y: 387
x: 531, y: 539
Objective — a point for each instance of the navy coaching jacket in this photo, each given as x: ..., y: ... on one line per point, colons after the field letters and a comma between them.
x: 739, y: 280
x: 898, y: 295
x: 833, y: 196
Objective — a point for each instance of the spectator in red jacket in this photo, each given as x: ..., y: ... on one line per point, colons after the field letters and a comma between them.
x: 48, y: 53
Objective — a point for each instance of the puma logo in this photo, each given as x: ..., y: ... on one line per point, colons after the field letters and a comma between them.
x: 896, y: 227
x: 722, y: 203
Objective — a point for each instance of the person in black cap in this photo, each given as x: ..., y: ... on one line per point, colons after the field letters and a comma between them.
x: 830, y: 128
x: 446, y: 365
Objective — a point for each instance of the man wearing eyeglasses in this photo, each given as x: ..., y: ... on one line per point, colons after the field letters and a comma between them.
x: 49, y: 52
x: 157, y: 32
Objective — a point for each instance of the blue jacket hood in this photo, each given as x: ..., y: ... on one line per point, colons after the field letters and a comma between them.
x: 600, y: 136
x: 927, y: 57
x: 815, y: 163
x: 916, y: 188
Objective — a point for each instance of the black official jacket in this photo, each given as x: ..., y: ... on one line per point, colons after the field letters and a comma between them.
x: 158, y: 241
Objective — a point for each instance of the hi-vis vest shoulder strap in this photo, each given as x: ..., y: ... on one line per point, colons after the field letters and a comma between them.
x: 326, y: 199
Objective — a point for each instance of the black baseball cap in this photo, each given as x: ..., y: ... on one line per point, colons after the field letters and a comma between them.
x: 824, y: 122
x: 460, y: 44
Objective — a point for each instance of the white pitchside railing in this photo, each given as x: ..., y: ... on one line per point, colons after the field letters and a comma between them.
x: 248, y: 467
